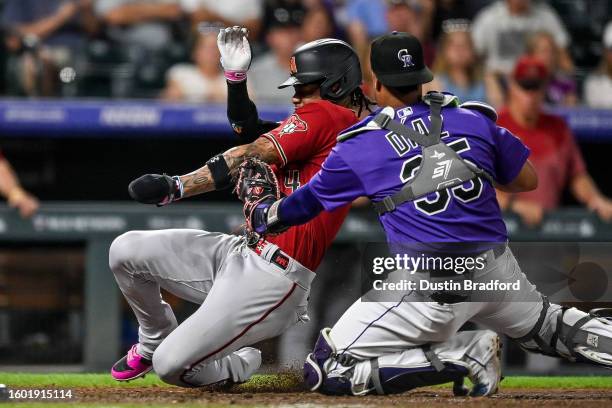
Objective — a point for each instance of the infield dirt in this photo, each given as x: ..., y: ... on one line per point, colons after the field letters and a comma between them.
x: 418, y: 398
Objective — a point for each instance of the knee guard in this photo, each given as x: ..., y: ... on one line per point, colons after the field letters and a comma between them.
x: 315, y: 374
x: 333, y: 373
x: 572, y: 334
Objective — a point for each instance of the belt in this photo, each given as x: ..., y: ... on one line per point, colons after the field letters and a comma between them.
x: 271, y: 253
x: 448, y: 298
x: 291, y: 268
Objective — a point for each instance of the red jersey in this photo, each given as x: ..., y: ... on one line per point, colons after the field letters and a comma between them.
x: 554, y: 154
x: 304, y: 141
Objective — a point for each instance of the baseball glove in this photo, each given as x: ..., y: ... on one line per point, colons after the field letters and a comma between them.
x: 256, y: 185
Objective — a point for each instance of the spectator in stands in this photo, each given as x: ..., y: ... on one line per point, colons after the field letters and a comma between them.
x: 561, y: 89
x: 598, y: 85
x: 283, y: 20
x: 199, y: 82
x: 139, y: 23
x: 44, y: 36
x: 457, y: 69
x: 226, y: 12
x: 15, y: 195
x: 414, y: 17
x: 554, y: 152
x: 500, y: 33
x: 454, y: 10
x: 368, y: 19
x: 319, y: 22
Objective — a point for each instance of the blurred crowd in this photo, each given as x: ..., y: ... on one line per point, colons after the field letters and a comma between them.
x: 166, y: 48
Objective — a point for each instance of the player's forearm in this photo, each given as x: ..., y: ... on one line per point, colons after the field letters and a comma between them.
x: 206, y: 179
x: 197, y: 182
x: 242, y: 113
x: 300, y: 207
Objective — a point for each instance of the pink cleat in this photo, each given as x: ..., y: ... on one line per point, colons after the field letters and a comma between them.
x: 131, y: 366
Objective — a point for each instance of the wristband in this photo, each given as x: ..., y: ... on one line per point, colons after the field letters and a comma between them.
x: 219, y: 171
x: 235, y: 76
x: 180, y: 188
x: 274, y: 224
x: 272, y: 214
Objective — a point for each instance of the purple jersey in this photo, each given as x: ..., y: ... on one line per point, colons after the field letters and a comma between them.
x: 377, y: 163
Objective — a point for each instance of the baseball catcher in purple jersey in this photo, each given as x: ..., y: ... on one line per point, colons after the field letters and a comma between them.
x: 430, y: 166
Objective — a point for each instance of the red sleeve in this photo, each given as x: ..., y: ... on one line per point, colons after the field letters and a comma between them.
x: 302, y: 135
x: 575, y: 162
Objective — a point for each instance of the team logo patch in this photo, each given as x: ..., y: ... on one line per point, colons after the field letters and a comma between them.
x: 406, y: 58
x: 292, y: 125
x: 257, y: 190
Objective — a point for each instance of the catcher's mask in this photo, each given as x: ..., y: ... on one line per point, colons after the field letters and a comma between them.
x: 330, y: 62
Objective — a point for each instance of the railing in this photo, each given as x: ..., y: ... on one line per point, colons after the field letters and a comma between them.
x: 111, y: 118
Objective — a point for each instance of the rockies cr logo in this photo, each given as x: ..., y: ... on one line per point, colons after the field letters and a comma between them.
x: 406, y: 58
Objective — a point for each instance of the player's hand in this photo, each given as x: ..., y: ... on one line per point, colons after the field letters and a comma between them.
x: 159, y: 189
x: 235, y: 52
x: 602, y: 206
x: 531, y: 213
x: 26, y: 203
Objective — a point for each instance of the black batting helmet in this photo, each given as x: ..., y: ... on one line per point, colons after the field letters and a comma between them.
x: 331, y: 62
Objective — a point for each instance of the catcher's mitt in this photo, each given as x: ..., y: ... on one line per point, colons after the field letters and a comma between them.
x: 256, y: 184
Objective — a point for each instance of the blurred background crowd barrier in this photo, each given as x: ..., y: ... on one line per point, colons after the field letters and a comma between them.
x: 94, y: 93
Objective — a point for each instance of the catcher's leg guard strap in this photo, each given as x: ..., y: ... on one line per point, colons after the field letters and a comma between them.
x: 393, y: 380
x: 534, y: 334
x: 575, y: 335
x: 433, y: 358
x: 376, y: 376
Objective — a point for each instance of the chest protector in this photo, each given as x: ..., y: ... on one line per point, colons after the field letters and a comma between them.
x: 441, y: 167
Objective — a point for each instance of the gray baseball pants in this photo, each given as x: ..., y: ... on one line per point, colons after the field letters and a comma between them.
x: 245, y: 297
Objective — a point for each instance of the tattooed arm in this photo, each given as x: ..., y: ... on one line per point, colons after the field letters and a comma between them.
x: 201, y: 181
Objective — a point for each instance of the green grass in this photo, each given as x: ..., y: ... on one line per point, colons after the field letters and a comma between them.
x: 23, y: 380
x: 265, y: 382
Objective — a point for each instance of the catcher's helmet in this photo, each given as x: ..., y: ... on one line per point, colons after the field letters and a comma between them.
x: 331, y: 62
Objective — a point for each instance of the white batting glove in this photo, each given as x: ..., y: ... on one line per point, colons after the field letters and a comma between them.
x: 235, y: 52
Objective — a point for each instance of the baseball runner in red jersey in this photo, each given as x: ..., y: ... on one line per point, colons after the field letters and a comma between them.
x: 303, y: 142
x: 248, y: 291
